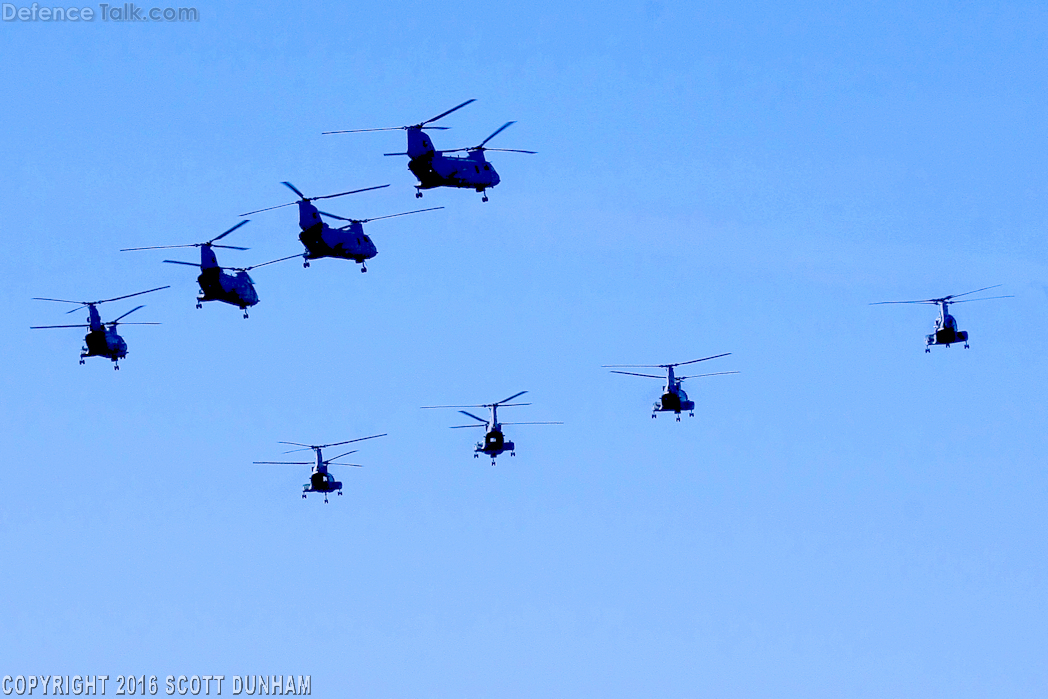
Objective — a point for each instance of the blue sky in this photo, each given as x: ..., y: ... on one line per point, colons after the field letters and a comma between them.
x: 847, y: 517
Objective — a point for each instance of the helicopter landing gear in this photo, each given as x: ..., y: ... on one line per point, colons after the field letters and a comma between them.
x: 691, y: 414
x: 303, y: 496
x: 418, y: 193
x: 245, y: 313
x: 476, y: 456
x: 116, y: 367
x: 325, y: 498
x: 484, y: 198
x: 678, y: 417
x: 199, y: 305
x: 340, y: 493
x: 363, y: 268
x: 927, y: 350
x: 965, y: 345
x: 305, y: 265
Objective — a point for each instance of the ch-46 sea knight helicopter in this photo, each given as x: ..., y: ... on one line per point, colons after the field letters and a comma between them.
x: 321, y: 481
x: 321, y: 240
x: 946, y: 332
x: 101, y: 339
x: 434, y: 168
x: 673, y: 399
x: 495, y: 442
x: 215, y: 284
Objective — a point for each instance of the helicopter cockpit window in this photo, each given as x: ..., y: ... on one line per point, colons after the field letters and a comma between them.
x: 487, y: 167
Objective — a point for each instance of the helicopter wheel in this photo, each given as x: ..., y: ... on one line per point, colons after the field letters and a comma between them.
x: 418, y: 195
x: 340, y: 493
x: 81, y: 361
x: 199, y: 305
x: 363, y: 268
x: 305, y: 265
x: 678, y: 418
x: 245, y: 313
x: 691, y: 414
x: 325, y: 499
x: 927, y: 350
x: 303, y: 496
x: 965, y: 345
x: 116, y: 367
x: 484, y: 198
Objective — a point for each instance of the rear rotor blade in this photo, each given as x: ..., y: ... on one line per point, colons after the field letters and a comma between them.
x: 331, y: 463
x: 162, y: 247
x: 270, y: 208
x: 229, y: 247
x: 137, y: 293
x: 988, y: 298
x: 296, y: 463
x: 462, y: 427
x: 340, y: 218
x: 223, y: 235
x: 478, y: 419
x: 341, y: 455
x: 179, y: 262
x: 699, y: 376
x: 47, y: 327
x: 532, y: 423
x: 78, y: 303
x: 406, y: 213
x: 386, y: 128
x: 348, y: 441
x: 630, y: 373
x: 947, y: 298
x: 716, y: 356
x: 511, y: 150
x: 507, y: 400
x: 263, y: 264
x: 444, y: 114
x: 294, y: 189
x: 355, y: 191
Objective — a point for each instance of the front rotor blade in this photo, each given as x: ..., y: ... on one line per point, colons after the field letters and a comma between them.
x: 630, y: 373
x: 47, y: 327
x: 355, y: 191
x: 386, y: 128
x: 379, y: 218
x: 138, y: 293
x: 512, y: 150
x: 699, y: 376
x: 78, y: 303
x: 497, y: 132
x: 247, y: 269
x: 716, y: 356
x: 971, y: 292
x: 296, y: 463
x: 444, y: 114
x: 223, y: 235
x: 269, y: 208
x: 230, y: 247
x: 350, y: 441
x: 882, y: 303
x: 332, y: 463
x: 340, y: 218
x: 507, y: 400
x: 478, y: 419
x: 161, y: 247
x: 341, y: 455
x: 115, y: 320
x: 179, y: 262
x: 462, y: 427
x: 532, y: 423
x: 988, y: 298
x: 294, y: 189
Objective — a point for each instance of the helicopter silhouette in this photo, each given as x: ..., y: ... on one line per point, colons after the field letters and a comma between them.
x: 673, y: 399
x: 321, y: 480
x: 321, y: 240
x: 946, y: 332
x: 102, y: 339
x: 215, y: 285
x: 495, y: 442
x: 434, y: 168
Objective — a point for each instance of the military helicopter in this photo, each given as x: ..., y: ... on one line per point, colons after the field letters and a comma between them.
x: 321, y: 240
x: 215, y: 285
x: 435, y: 169
x: 673, y: 399
x: 946, y: 332
x: 321, y: 481
x: 494, y: 441
x: 102, y: 339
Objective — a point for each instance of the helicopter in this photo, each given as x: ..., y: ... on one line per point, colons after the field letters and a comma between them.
x: 321, y: 240
x: 673, y: 399
x: 102, y: 339
x: 215, y: 285
x: 434, y: 168
x: 321, y: 480
x: 495, y: 442
x: 946, y: 332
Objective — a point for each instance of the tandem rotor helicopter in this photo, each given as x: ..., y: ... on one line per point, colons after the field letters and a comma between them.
x: 673, y: 399
x: 321, y: 240
x: 495, y: 442
x: 215, y: 285
x: 321, y: 480
x: 946, y: 332
x: 102, y: 339
x: 434, y: 168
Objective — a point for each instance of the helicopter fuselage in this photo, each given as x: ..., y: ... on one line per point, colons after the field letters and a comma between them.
x: 235, y: 289
x: 471, y: 171
x: 674, y: 400
x: 946, y: 332
x: 494, y: 443
x: 104, y: 342
x: 346, y: 243
x: 321, y: 482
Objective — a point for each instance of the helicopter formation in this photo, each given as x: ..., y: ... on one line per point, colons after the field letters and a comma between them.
x: 432, y: 168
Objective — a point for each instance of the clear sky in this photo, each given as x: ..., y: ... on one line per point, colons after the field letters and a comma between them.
x: 847, y: 517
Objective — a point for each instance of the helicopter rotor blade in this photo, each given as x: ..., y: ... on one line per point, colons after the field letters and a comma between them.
x: 161, y: 247
x: 341, y: 455
x: 988, y: 298
x: 444, y: 114
x: 78, y: 303
x: 532, y: 423
x: 340, y: 218
x: 406, y: 213
x: 348, y: 441
x: 462, y: 427
x: 115, y: 323
x: 716, y: 356
x: 336, y: 464
x: 270, y: 208
x: 48, y: 327
x: 116, y: 320
x: 699, y: 376
x: 294, y: 189
x: 507, y: 400
x: 296, y: 463
x: 263, y: 264
x: 355, y: 191
x: 508, y: 150
x: 953, y: 296
x: 630, y: 373
x: 478, y: 419
x: 387, y: 154
x: 220, y: 236
x: 179, y: 262
x: 497, y: 132
x: 229, y: 247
